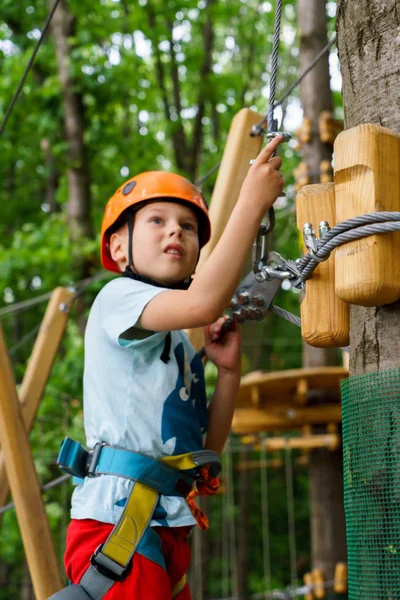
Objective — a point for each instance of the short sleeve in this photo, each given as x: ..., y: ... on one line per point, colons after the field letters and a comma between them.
x: 121, y: 303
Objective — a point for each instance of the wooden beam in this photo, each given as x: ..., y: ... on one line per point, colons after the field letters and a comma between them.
x: 287, y: 387
x: 39, y: 366
x: 251, y: 420
x: 31, y: 514
x: 240, y: 148
x: 324, y: 316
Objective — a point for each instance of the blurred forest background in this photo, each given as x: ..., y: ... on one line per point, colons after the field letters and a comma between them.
x: 118, y: 88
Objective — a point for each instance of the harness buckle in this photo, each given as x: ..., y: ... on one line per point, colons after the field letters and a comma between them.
x: 108, y: 567
x: 92, y: 460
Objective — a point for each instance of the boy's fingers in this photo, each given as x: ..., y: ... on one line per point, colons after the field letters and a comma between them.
x: 276, y: 162
x: 267, y: 152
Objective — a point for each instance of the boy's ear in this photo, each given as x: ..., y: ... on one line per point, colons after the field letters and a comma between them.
x: 118, y: 248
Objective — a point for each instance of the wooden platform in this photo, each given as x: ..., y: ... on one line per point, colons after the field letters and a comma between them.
x: 281, y: 400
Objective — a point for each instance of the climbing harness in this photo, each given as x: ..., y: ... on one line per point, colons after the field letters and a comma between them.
x: 169, y: 476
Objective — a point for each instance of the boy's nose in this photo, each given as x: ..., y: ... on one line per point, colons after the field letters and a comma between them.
x: 176, y: 229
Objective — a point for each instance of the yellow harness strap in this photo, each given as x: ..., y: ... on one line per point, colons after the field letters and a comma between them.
x: 126, y: 535
x: 179, y: 586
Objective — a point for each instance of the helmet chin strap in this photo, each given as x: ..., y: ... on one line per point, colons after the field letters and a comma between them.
x: 130, y: 272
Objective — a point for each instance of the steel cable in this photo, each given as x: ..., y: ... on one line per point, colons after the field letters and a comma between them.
x: 29, y: 66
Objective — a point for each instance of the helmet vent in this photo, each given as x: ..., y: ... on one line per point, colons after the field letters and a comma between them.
x: 128, y: 188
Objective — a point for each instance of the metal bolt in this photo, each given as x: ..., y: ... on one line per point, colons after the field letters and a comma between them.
x: 244, y: 312
x: 255, y: 314
x: 63, y: 307
x: 262, y: 276
x: 323, y: 228
x: 257, y: 301
x: 309, y: 237
x: 232, y: 305
x: 243, y: 298
x: 291, y: 413
x: 237, y: 318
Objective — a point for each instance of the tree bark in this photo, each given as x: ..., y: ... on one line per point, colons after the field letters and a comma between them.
x: 79, y: 201
x: 328, y: 542
x: 368, y: 44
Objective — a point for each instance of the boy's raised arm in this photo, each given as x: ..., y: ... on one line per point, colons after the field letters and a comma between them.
x: 217, y: 280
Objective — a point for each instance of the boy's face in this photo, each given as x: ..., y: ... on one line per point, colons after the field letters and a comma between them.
x: 165, y: 242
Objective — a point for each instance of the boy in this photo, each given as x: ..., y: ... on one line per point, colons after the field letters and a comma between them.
x: 143, y: 382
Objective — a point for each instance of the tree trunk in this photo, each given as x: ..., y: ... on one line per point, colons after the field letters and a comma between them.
x: 327, y: 523
x: 79, y: 201
x: 368, y: 44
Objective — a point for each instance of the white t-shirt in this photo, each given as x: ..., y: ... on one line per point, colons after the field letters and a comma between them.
x: 133, y: 400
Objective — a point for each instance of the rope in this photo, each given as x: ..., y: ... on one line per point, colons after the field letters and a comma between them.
x: 291, y: 516
x: 265, y: 517
x: 48, y: 486
x: 305, y: 72
x: 24, y: 339
x: 285, y: 95
x: 29, y: 66
x: 274, y: 65
x: 285, y: 314
x: 232, y: 519
x: 79, y: 288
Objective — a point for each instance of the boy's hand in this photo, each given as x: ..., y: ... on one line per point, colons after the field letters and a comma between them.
x: 264, y: 181
x: 225, y: 350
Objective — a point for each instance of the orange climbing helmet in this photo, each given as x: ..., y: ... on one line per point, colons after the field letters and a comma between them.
x: 152, y: 185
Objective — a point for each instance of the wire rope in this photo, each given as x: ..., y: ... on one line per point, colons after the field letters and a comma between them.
x: 232, y: 521
x: 29, y: 65
x: 291, y: 516
x: 79, y: 287
x: 48, y: 486
x: 225, y: 533
x: 24, y: 339
x: 274, y: 65
x: 265, y: 516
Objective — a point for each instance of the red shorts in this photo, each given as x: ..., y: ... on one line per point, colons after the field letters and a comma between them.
x: 146, y: 580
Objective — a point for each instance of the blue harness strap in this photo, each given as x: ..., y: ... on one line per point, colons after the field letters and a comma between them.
x: 169, y: 476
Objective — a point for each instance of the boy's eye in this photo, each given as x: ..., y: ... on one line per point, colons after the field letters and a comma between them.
x: 156, y: 220
x: 189, y: 226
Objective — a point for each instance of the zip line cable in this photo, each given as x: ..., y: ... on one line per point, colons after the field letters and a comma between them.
x: 79, y: 287
x: 274, y: 67
x: 285, y: 95
x: 305, y: 72
x: 29, y: 65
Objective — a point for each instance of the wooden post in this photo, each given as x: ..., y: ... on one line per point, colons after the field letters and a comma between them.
x: 39, y: 366
x: 240, y: 148
x: 31, y: 514
x: 324, y: 317
x: 367, y: 166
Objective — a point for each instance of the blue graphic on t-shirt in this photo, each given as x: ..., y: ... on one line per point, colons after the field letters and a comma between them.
x: 160, y: 515
x: 185, y: 410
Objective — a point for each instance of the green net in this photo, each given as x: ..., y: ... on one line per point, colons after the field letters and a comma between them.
x: 371, y: 461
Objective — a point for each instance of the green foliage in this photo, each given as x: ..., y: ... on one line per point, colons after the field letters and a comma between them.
x: 128, y: 128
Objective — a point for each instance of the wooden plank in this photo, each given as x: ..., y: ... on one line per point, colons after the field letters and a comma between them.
x: 31, y: 514
x: 284, y: 387
x: 252, y: 420
x: 240, y: 148
x: 367, y: 167
x: 324, y: 316
x: 39, y: 366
